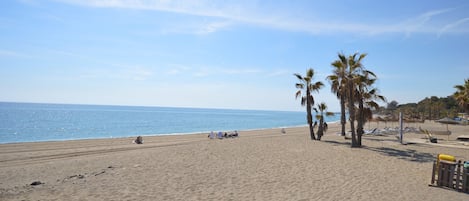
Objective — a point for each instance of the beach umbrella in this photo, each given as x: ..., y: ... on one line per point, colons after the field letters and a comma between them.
x: 447, y: 121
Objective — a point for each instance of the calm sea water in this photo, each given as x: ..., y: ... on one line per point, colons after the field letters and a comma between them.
x: 31, y: 122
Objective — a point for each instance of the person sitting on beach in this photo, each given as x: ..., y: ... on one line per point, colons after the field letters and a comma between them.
x: 211, y: 135
x: 220, y: 135
x: 139, y: 140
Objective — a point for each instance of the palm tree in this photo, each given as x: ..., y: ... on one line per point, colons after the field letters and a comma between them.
x: 352, y: 84
x: 355, y: 69
x: 322, y: 107
x: 366, y: 101
x: 462, y: 95
x: 306, y: 84
x: 338, y: 85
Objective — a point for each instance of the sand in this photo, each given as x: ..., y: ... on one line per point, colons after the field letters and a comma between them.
x: 259, y: 165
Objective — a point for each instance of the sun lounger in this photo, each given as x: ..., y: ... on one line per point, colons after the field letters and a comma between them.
x: 463, y: 138
x: 429, y: 135
x: 371, y: 132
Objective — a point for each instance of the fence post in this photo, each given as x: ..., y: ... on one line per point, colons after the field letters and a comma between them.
x: 433, y: 172
x: 465, y: 180
x: 457, y: 176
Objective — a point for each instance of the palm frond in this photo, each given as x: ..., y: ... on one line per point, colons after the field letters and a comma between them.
x: 372, y: 104
x: 298, y: 94
x: 310, y: 73
x: 362, y: 56
x: 460, y: 87
x: 332, y: 78
x: 298, y: 76
x: 380, y: 97
x: 299, y: 85
x: 316, y: 86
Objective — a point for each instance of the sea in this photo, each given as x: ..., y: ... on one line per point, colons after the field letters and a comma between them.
x: 35, y: 122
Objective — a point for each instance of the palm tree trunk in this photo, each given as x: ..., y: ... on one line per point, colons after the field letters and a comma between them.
x: 310, y: 123
x: 321, y: 128
x: 342, y: 114
x: 309, y: 115
x: 352, y: 113
x: 361, y: 120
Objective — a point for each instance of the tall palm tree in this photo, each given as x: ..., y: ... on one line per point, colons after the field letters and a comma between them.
x: 338, y: 85
x: 462, y: 95
x: 366, y: 101
x: 352, y: 84
x: 306, y: 84
x: 352, y: 77
x: 322, y: 108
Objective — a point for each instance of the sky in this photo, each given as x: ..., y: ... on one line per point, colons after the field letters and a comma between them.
x: 237, y: 54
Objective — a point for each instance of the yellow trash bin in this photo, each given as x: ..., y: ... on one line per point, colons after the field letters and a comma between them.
x: 446, y: 157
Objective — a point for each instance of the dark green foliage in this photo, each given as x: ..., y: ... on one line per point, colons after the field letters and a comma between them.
x: 430, y: 108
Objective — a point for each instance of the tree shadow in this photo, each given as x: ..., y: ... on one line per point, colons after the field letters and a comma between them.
x: 407, y: 154
x: 336, y: 143
x: 384, y: 139
x: 411, y: 155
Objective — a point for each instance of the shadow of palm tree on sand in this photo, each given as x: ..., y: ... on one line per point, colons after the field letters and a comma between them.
x: 407, y: 154
x: 403, y: 154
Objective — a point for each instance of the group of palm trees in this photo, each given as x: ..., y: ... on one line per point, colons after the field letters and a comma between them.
x: 353, y: 86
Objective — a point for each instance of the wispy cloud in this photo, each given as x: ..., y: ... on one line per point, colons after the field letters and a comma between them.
x: 136, y: 73
x: 248, y: 12
x: 420, y: 23
x: 452, y: 25
x: 234, y: 71
x: 176, y: 69
x: 204, y: 71
x: 208, y: 71
x: 279, y: 72
x: 213, y: 27
x: 102, y: 68
x: 9, y: 53
x: 191, y: 7
x: 198, y: 28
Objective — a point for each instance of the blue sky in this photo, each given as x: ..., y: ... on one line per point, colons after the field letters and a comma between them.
x: 224, y: 54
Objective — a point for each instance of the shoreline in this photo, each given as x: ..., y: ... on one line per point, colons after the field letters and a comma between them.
x: 432, y: 125
x: 153, y: 135
x: 31, y: 122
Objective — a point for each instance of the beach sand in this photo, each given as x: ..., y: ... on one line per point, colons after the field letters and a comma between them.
x: 258, y: 165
